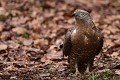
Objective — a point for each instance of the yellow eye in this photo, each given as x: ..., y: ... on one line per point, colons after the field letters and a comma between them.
x: 83, y: 14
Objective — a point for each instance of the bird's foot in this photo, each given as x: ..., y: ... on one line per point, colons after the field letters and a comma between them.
x: 71, y: 72
x: 88, y: 70
x: 87, y: 73
x: 75, y: 74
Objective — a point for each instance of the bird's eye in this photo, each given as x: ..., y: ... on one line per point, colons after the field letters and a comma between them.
x: 83, y: 14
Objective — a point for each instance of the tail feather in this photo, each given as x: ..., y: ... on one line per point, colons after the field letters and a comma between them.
x: 81, y: 67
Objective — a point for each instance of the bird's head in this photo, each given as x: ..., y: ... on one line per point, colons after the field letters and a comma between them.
x: 82, y: 16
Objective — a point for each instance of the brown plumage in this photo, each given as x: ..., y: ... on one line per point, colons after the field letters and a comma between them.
x: 82, y: 42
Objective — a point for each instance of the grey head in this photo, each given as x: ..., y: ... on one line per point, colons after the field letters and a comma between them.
x: 82, y: 15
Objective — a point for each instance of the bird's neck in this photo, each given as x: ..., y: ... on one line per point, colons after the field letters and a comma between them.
x: 81, y: 25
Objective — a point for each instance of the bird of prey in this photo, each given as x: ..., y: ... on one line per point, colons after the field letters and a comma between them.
x: 82, y: 43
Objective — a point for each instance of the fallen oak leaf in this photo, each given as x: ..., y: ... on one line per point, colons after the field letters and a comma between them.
x: 27, y: 42
x: 12, y: 44
x: 19, y: 30
x: 53, y: 54
x: 3, y: 46
x: 117, y: 66
x: 117, y: 72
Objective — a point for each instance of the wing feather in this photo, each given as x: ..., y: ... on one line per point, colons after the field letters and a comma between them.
x: 67, y: 44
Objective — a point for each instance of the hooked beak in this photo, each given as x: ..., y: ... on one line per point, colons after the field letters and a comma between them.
x: 74, y: 13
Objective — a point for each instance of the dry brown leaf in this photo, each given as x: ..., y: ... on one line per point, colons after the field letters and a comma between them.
x: 115, y: 55
x: 117, y: 72
x: 19, y: 30
x: 113, y: 29
x: 2, y: 11
x: 11, y: 67
x: 37, y: 42
x: 1, y: 26
x: 111, y: 18
x: 3, y: 46
x: 106, y: 31
x: 43, y: 42
x: 27, y: 42
x: 53, y: 54
x: 109, y: 42
x: 12, y: 44
x: 115, y: 2
x: 46, y: 60
x: 5, y: 35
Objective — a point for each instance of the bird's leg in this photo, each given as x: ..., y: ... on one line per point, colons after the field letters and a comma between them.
x: 72, y: 60
x: 90, y: 66
x: 68, y: 59
x: 77, y: 71
x: 88, y: 69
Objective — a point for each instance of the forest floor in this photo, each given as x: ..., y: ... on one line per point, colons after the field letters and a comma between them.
x: 31, y: 32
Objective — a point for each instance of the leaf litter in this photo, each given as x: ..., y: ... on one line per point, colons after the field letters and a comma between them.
x: 31, y: 32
